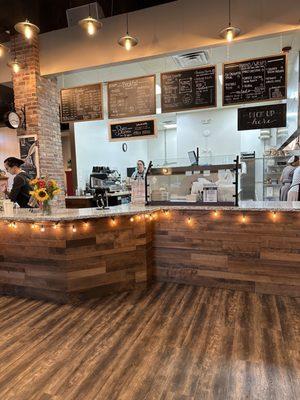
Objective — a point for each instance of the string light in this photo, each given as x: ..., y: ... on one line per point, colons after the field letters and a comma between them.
x: 138, y: 217
x: 113, y: 221
x: 189, y: 220
x: 42, y: 228
x: 33, y: 225
x: 244, y: 219
x: 12, y: 225
x: 131, y: 219
x: 74, y: 228
x: 216, y: 214
x: 85, y: 224
x: 56, y: 225
x: 274, y: 215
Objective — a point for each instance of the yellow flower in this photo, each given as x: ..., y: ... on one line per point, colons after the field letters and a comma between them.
x: 33, y: 181
x: 41, y: 195
x: 55, y: 192
x: 53, y: 182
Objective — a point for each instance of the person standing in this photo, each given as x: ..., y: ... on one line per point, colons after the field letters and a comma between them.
x: 294, y: 192
x: 140, y: 170
x: 20, y: 191
x: 287, y: 177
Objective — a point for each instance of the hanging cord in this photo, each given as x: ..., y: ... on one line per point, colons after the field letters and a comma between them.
x: 112, y: 8
x: 127, y: 24
x: 229, y: 11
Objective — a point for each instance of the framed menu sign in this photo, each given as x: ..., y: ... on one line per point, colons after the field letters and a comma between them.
x: 259, y: 79
x: 131, y: 97
x: 142, y: 129
x: 271, y: 116
x: 81, y: 103
x: 188, y: 89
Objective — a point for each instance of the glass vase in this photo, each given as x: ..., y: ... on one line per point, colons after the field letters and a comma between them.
x: 46, y: 208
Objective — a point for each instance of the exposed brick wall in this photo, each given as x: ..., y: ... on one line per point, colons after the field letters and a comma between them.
x: 41, y: 99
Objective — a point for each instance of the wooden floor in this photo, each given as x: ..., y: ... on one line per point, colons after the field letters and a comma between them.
x: 167, y: 342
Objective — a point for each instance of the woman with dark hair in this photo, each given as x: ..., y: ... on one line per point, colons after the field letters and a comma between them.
x: 21, y: 187
x: 140, y: 170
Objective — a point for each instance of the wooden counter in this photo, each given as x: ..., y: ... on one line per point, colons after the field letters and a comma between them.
x: 91, y: 253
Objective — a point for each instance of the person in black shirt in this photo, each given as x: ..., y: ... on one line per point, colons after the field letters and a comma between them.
x: 21, y: 187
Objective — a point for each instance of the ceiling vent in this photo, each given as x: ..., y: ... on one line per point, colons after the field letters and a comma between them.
x: 194, y: 59
x: 75, y: 14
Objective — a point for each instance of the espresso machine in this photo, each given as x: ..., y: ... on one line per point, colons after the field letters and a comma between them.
x: 105, y: 178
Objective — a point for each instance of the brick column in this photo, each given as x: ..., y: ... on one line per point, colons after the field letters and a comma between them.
x: 40, y: 97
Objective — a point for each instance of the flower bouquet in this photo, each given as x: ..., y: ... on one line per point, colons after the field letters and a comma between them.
x: 43, y: 192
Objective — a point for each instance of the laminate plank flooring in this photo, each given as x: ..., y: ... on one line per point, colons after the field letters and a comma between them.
x: 166, y: 342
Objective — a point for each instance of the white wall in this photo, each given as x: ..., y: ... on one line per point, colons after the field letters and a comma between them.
x: 93, y: 148
x: 9, y: 146
x: 214, y: 132
x: 164, y: 147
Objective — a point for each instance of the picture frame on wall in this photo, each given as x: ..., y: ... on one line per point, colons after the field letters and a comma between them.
x: 29, y: 153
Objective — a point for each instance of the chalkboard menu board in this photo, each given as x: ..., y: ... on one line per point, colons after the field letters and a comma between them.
x: 254, y: 80
x: 81, y: 103
x: 132, y: 130
x: 272, y: 116
x: 188, y: 89
x: 131, y: 97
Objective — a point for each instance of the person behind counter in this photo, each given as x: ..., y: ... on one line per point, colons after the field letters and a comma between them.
x: 287, y: 177
x: 20, y: 189
x: 294, y: 192
x: 140, y: 170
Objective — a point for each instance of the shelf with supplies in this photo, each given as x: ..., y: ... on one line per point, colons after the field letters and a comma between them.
x: 272, y: 170
x: 193, y: 185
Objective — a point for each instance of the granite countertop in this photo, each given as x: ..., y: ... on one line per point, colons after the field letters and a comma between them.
x: 109, y: 194
x: 72, y: 214
x: 130, y: 209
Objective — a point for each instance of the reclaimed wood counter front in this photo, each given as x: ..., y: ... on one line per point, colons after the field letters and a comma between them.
x: 245, y: 249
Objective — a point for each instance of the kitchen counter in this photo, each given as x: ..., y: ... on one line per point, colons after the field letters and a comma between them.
x: 130, y: 209
x: 78, y: 253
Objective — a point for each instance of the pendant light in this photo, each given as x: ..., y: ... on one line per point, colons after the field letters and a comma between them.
x: 3, y: 50
x: 27, y: 29
x: 127, y: 41
x: 90, y: 25
x: 14, y: 64
x: 230, y: 32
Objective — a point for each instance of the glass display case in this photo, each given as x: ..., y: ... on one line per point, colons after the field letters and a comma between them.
x: 193, y: 185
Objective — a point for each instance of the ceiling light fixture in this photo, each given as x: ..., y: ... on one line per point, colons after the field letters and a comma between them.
x: 127, y: 41
x: 15, y: 66
x: 230, y: 32
x: 27, y: 29
x: 90, y: 25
